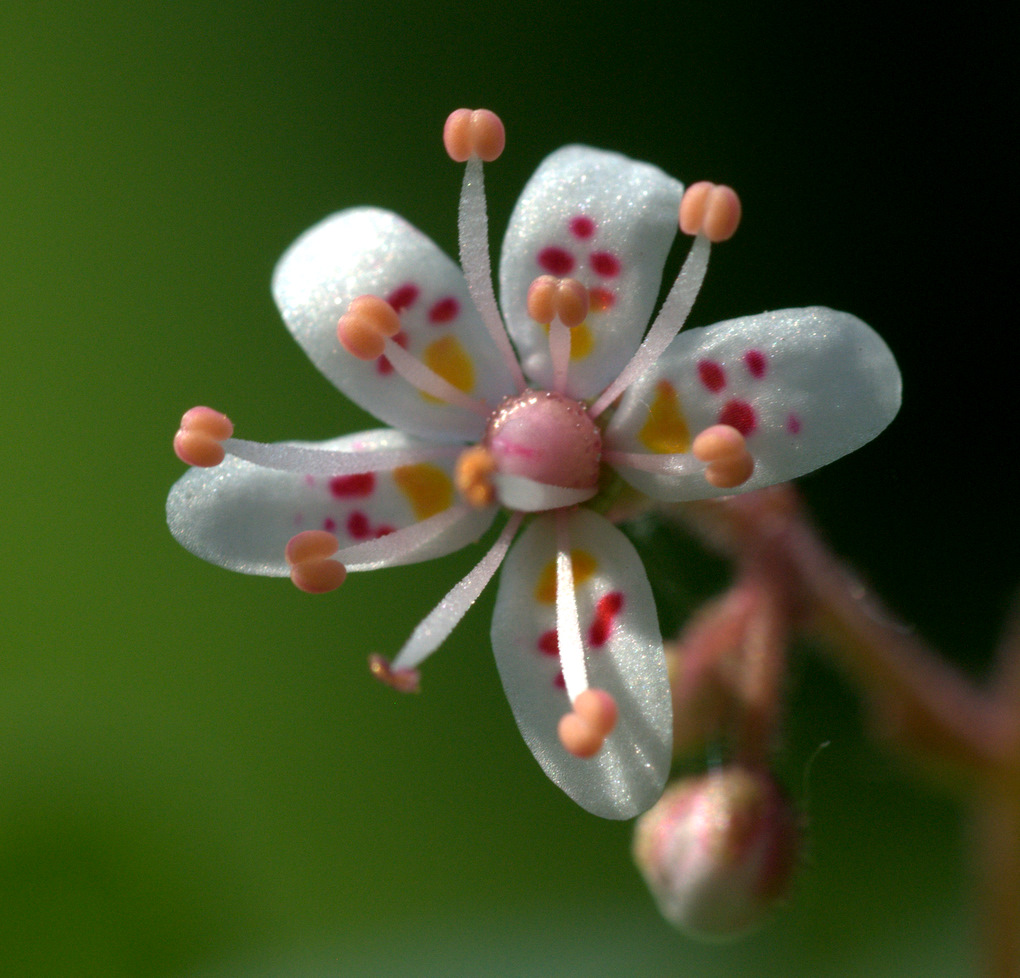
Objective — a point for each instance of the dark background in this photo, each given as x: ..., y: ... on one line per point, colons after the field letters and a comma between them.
x: 197, y: 775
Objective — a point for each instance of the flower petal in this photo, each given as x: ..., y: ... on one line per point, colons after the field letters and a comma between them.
x: 805, y: 387
x: 607, y: 221
x: 623, y: 655
x: 241, y: 515
x: 366, y: 251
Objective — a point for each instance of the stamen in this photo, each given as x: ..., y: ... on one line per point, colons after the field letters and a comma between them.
x: 563, y: 305
x: 310, y: 569
x: 435, y: 628
x: 199, y: 439
x: 470, y: 133
x: 473, y: 222
x: 473, y: 476
x: 710, y: 209
x: 402, y: 680
x: 322, y: 461
x: 568, y: 626
x: 713, y: 214
x: 365, y: 327
x: 429, y: 382
x: 584, y: 731
x: 667, y: 324
x: 402, y: 546
x: 364, y: 331
x: 680, y: 463
x: 725, y: 450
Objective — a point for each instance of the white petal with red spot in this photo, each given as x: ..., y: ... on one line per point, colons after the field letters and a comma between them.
x: 805, y: 387
x: 623, y: 655
x: 608, y: 222
x: 366, y: 251
x: 241, y: 515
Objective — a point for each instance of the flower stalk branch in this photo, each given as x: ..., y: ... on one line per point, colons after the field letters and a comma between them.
x: 966, y: 735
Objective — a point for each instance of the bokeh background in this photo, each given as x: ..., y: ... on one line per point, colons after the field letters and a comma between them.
x: 197, y: 775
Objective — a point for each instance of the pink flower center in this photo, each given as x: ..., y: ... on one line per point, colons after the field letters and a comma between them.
x: 546, y: 437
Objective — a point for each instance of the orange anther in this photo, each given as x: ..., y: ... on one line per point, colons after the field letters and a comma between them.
x: 470, y: 133
x: 197, y: 441
x: 597, y: 708
x: 571, y: 302
x: 563, y: 298
x: 402, y: 680
x: 724, y: 449
x: 712, y: 209
x: 542, y: 299
x: 318, y: 576
x: 579, y: 737
x: 310, y: 545
x: 364, y: 328
x: 310, y: 569
x: 473, y: 476
x: 584, y: 730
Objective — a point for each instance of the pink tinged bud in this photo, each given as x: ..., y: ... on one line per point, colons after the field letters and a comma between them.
x: 712, y: 209
x: 470, y: 133
x: 718, y: 852
x: 198, y: 439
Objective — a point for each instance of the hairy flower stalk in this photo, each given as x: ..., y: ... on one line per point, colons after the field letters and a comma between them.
x: 523, y: 410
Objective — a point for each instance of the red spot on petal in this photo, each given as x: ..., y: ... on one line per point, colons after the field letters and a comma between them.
x: 556, y: 261
x: 383, y: 531
x: 403, y: 296
x: 793, y: 424
x: 382, y: 365
x: 605, y: 264
x: 582, y: 226
x: 606, y: 610
x: 756, y: 363
x: 329, y: 524
x: 739, y: 415
x: 352, y: 486
x: 712, y: 375
x: 549, y: 643
x: 444, y: 310
x: 601, y: 299
x: 357, y: 526
x: 558, y: 681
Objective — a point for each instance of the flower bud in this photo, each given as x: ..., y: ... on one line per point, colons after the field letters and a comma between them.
x: 718, y: 851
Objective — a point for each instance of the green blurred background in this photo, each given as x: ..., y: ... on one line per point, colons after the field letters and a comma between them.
x: 198, y: 777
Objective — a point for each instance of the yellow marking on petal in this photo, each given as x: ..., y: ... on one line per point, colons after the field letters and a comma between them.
x: 581, y: 341
x: 665, y: 432
x: 583, y: 565
x: 448, y: 358
x: 428, y: 489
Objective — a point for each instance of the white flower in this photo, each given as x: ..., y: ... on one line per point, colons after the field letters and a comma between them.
x: 480, y: 427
